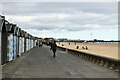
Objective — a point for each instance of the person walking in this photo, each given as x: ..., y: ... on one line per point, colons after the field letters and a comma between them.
x: 53, y: 48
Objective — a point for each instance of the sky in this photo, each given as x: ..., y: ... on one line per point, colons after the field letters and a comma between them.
x: 72, y: 20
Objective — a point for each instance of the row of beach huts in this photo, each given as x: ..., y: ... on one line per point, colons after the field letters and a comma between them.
x: 14, y: 41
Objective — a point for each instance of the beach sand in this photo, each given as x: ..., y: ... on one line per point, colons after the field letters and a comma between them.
x: 109, y: 50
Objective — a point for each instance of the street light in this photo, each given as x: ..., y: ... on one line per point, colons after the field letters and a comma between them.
x: 91, y: 35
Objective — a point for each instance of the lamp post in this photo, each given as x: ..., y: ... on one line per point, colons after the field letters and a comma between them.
x: 91, y: 35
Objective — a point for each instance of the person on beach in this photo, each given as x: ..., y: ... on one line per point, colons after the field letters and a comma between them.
x: 53, y: 48
x: 77, y: 47
x: 86, y: 48
x: 75, y: 43
x: 83, y: 47
x: 69, y: 43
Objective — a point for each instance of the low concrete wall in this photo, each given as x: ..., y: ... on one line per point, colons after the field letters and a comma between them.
x: 110, y: 63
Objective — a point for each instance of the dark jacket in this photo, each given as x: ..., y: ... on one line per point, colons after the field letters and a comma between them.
x: 54, y: 47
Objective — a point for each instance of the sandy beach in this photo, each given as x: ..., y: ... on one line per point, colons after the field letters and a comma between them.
x: 109, y: 50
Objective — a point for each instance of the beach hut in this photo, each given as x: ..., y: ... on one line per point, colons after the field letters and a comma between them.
x: 29, y: 42
x: 0, y: 33
x: 14, y: 31
x: 3, y: 40
x: 25, y: 41
x: 34, y: 41
x: 17, y: 41
x: 21, y: 42
x: 9, y: 41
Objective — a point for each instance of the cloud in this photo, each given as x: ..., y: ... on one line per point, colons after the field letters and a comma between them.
x: 61, y: 17
x: 33, y: 8
x: 70, y: 22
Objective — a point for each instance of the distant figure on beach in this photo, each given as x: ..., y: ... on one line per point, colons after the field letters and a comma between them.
x: 69, y: 43
x: 53, y: 48
x: 86, y: 48
x: 83, y: 47
x: 75, y: 43
x: 77, y: 47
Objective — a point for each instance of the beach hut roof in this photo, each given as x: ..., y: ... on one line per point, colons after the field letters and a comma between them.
x: 16, y: 30
x: 19, y: 31
x: 26, y: 35
x: 2, y: 19
x: 12, y: 28
x: 8, y: 26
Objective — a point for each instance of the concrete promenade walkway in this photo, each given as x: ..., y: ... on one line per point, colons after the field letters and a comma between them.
x: 39, y: 63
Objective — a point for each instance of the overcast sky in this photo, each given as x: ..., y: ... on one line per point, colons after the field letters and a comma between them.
x: 72, y: 20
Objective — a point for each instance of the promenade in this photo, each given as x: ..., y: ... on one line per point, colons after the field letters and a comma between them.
x: 39, y: 63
